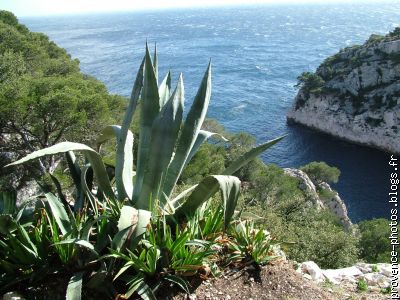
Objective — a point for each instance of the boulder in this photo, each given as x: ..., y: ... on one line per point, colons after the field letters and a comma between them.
x: 345, y: 274
x: 313, y: 270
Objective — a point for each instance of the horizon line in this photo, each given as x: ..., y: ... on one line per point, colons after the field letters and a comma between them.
x: 196, y: 7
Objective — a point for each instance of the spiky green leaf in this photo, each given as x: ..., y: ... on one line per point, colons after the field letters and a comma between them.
x: 150, y: 108
x: 163, y: 139
x: 74, y: 289
x: 248, y: 156
x: 93, y: 157
x: 59, y: 213
x: 165, y: 89
x: 189, y: 132
x: 123, y: 159
x: 229, y: 187
x: 203, y: 136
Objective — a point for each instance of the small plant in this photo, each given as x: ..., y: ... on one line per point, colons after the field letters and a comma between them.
x: 362, y: 285
x: 310, y: 83
x: 250, y: 244
x: 386, y: 290
x: 375, y: 268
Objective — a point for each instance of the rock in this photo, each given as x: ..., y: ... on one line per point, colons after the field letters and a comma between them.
x: 385, y: 269
x: 344, y: 274
x: 335, y: 204
x: 192, y: 297
x: 311, y: 268
x: 376, y: 279
x: 360, y: 99
x: 306, y: 185
x: 364, y: 267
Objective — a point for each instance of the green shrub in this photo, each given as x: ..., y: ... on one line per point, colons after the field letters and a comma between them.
x: 362, y: 285
x: 44, y: 99
x: 374, y: 243
x: 395, y: 33
x: 310, y: 83
x: 318, y: 237
x: 321, y: 172
x: 326, y: 193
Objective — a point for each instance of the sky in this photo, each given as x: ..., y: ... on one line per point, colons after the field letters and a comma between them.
x: 54, y: 7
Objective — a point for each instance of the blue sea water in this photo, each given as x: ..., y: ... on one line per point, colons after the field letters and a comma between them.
x: 257, y: 53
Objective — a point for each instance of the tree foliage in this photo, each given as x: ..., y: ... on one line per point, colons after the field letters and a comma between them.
x: 321, y: 172
x: 310, y: 83
x: 374, y: 241
x: 44, y: 98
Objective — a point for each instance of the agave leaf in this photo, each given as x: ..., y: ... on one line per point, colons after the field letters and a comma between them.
x: 127, y: 223
x: 74, y: 289
x: 132, y: 223
x: 59, y: 213
x: 248, y: 156
x: 124, y: 133
x: 120, y: 238
x: 93, y: 157
x: 74, y: 168
x: 144, y: 217
x: 145, y: 292
x: 165, y: 89
x: 86, y: 183
x: 7, y: 224
x: 75, y: 171
x: 155, y: 62
x: 164, y: 135
x: 229, y: 187
x: 133, y: 101
x: 203, y: 136
x: 79, y: 242
x: 124, y: 160
x: 137, y: 284
x: 189, y: 132
x: 128, y: 218
x: 179, y: 281
x: 175, y: 202
x: 59, y: 190
x: 150, y: 109
x: 8, y: 202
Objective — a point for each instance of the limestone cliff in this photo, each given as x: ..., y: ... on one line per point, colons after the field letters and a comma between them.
x: 355, y: 94
x: 330, y: 200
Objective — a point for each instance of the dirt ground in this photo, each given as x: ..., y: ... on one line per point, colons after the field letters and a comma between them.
x: 278, y: 281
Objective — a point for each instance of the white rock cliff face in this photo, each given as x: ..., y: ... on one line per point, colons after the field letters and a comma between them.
x: 360, y: 100
x: 334, y: 203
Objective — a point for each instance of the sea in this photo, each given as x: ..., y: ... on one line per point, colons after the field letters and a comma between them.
x: 257, y: 53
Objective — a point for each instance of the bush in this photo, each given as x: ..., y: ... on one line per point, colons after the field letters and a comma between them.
x: 321, y: 172
x: 374, y: 242
x: 318, y: 237
x: 44, y: 98
x: 310, y: 83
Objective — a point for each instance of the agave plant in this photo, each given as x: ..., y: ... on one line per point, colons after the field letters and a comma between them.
x: 166, y: 145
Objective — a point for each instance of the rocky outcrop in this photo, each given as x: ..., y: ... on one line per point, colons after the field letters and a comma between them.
x: 355, y: 94
x: 375, y: 275
x: 331, y: 200
x: 306, y: 185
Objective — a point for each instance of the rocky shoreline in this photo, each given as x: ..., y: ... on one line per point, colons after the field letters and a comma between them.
x: 355, y: 95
